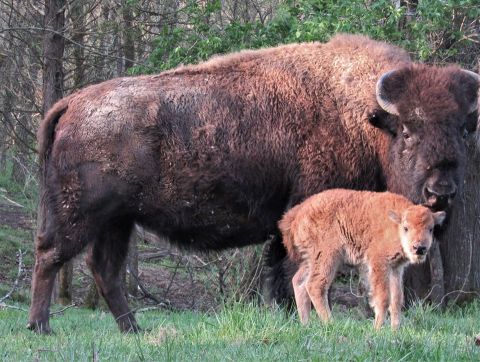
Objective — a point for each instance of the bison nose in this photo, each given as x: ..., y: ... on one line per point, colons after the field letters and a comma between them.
x: 440, y: 195
x: 420, y: 250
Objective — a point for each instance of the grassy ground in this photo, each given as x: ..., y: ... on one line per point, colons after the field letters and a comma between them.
x: 243, y: 333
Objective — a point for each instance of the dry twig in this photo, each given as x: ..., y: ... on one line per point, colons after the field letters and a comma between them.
x: 19, y: 274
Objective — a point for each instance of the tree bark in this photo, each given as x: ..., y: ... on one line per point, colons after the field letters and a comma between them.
x: 452, y: 274
x: 129, y: 55
x: 53, y: 48
x: 132, y: 284
x: 460, y: 243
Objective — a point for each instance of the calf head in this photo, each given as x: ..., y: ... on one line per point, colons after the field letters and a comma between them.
x: 415, y: 228
x: 427, y: 113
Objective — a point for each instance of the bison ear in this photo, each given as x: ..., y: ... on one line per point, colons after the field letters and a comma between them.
x: 394, y: 217
x: 383, y: 121
x: 471, y: 83
x: 439, y: 217
x: 389, y: 87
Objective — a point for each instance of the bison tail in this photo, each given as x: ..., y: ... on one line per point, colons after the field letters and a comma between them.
x: 46, y: 130
x: 45, y: 140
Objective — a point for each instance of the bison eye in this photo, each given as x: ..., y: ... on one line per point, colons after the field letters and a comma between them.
x: 406, y: 133
x: 464, y: 133
x: 405, y: 229
x: 431, y: 230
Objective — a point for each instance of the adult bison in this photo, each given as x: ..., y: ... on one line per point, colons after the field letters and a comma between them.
x: 212, y: 155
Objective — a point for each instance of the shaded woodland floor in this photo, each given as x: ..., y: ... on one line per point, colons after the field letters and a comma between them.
x: 169, y: 278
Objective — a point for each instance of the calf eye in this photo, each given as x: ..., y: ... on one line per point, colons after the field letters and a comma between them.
x: 405, y: 229
x: 431, y: 230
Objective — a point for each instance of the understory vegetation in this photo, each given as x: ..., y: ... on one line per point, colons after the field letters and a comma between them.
x: 244, y: 332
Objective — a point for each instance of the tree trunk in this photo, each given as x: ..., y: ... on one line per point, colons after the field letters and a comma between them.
x: 53, y: 47
x: 129, y: 55
x: 410, y: 12
x: 460, y: 244
x: 452, y: 273
x: 132, y: 284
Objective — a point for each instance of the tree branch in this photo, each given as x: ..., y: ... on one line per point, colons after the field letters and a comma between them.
x: 19, y: 273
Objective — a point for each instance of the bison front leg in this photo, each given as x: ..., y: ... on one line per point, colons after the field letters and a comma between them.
x: 43, y: 280
x: 106, y: 259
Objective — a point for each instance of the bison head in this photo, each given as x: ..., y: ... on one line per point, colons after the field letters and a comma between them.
x: 427, y: 113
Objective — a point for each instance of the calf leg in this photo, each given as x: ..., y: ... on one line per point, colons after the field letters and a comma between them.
x: 364, y: 291
x: 321, y: 276
x: 106, y: 259
x: 396, y: 297
x: 301, y: 295
x: 379, y: 281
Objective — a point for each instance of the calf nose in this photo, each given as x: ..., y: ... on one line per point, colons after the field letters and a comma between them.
x: 420, y: 250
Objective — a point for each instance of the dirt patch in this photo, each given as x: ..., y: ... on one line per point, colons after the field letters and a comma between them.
x: 179, y: 281
x: 15, y: 217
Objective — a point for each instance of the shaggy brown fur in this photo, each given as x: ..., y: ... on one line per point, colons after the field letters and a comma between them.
x: 211, y: 155
x: 380, y: 232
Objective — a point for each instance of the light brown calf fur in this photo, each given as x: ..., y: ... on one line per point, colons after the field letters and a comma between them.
x: 379, y: 232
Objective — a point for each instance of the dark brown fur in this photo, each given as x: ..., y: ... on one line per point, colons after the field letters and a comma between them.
x: 212, y: 155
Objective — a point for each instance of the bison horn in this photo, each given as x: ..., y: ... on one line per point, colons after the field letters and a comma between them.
x: 382, y: 98
x: 474, y: 105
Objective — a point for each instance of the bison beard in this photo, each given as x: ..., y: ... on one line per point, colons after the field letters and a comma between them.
x: 212, y: 155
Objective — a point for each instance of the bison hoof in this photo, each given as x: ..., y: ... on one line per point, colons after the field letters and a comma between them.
x: 132, y: 328
x: 39, y: 327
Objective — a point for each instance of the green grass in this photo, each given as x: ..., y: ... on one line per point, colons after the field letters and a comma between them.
x: 12, y: 240
x: 243, y: 333
x: 26, y: 193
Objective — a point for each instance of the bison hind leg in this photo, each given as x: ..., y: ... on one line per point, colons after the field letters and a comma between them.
x: 106, y: 258
x: 54, y: 246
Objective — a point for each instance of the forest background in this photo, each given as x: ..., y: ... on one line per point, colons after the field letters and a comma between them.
x: 48, y: 49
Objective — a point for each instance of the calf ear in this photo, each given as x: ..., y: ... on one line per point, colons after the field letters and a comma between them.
x: 439, y: 217
x: 394, y: 217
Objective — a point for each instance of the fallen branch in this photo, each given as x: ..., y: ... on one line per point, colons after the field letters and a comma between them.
x: 145, y: 292
x: 63, y: 309
x: 12, y: 202
x: 19, y: 274
x: 157, y: 255
x: 3, y: 305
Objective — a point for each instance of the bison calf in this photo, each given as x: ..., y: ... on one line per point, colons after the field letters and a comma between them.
x: 379, y: 232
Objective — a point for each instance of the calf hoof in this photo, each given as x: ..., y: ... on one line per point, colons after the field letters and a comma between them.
x: 39, y: 327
